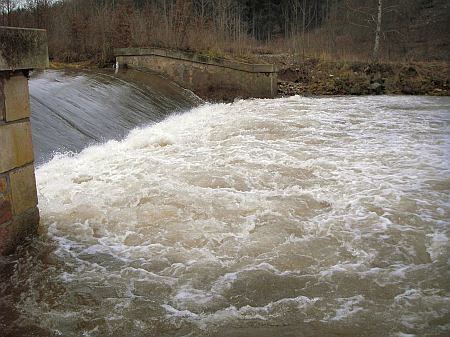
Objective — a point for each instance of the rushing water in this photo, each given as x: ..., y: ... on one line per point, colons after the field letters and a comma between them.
x: 71, y: 110
x: 286, y: 217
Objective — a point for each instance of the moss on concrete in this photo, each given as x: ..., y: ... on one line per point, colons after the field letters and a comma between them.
x: 22, y: 48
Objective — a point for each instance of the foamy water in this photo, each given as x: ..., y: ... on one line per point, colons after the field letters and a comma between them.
x: 289, y: 217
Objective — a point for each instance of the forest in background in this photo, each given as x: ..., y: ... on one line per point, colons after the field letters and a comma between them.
x: 411, y: 30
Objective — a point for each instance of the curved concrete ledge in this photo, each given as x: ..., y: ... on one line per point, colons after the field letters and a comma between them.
x: 209, y: 77
x: 197, y: 58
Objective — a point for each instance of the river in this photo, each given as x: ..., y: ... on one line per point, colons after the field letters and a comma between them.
x: 292, y: 217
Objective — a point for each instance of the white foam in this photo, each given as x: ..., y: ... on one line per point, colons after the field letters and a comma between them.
x: 348, y: 308
x: 320, y: 196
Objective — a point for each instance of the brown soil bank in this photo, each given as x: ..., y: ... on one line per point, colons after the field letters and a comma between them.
x: 317, y: 77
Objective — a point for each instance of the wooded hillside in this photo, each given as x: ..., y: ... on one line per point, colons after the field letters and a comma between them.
x: 331, y: 29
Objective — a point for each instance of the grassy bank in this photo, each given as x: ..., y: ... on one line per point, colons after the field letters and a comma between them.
x: 90, y: 64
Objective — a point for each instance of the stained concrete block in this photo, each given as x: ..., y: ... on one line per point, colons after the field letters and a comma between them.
x: 23, y: 48
x: 3, y: 184
x: 23, y: 189
x: 13, y: 232
x: 16, y: 148
x: 16, y: 99
x: 2, y: 99
x: 5, y: 209
x: 5, y: 200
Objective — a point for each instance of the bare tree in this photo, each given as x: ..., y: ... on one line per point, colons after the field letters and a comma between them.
x: 371, y: 20
x: 6, y: 8
x: 376, y: 47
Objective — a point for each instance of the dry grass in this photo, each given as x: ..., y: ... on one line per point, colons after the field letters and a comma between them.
x: 71, y: 65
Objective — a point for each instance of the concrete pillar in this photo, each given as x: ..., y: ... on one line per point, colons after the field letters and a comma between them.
x: 20, y: 51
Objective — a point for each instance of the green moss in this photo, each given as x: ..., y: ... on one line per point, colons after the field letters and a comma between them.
x: 17, y: 45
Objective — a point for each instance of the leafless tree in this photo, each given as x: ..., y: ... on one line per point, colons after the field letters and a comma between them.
x: 376, y: 46
x: 6, y: 8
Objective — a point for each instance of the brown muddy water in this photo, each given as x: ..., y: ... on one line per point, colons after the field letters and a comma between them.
x: 286, y: 217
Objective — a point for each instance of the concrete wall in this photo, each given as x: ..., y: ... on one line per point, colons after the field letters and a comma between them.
x: 20, y: 51
x: 208, y: 77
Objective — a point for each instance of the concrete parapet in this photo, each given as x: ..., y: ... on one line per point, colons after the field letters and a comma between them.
x: 20, y: 51
x: 23, y: 48
x: 203, y: 74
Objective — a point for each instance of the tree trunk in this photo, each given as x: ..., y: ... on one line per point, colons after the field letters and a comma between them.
x: 376, y: 47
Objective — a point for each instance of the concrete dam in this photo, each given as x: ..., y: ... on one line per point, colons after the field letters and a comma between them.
x: 93, y: 107
x: 209, y: 77
x: 165, y: 215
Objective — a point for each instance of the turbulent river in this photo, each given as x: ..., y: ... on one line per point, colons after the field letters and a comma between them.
x: 286, y: 217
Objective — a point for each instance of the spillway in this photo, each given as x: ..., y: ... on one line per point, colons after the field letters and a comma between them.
x: 72, y: 110
x: 292, y: 217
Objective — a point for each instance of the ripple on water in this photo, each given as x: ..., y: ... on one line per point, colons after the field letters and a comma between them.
x: 326, y: 216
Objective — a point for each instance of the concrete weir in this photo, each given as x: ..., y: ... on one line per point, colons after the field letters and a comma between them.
x: 208, y: 77
x: 21, y: 50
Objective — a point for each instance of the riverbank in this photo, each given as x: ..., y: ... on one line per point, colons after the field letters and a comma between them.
x: 318, y: 77
x: 313, y: 76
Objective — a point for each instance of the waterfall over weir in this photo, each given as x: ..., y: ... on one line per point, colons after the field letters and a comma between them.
x: 71, y: 110
x: 288, y: 217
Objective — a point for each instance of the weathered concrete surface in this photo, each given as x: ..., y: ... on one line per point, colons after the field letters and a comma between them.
x: 197, y: 58
x: 13, y: 232
x: 5, y: 200
x: 23, y: 48
x: 16, y: 100
x: 20, y: 51
x: 23, y: 189
x: 16, y: 146
x: 208, y: 77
